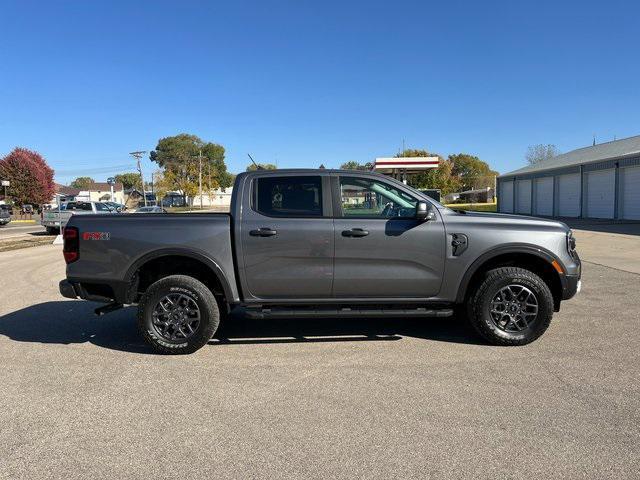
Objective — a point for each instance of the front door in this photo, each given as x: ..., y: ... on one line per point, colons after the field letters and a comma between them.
x: 287, y: 238
x: 381, y: 250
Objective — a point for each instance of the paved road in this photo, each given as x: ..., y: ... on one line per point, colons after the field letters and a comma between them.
x: 13, y: 230
x: 620, y: 251
x: 82, y: 397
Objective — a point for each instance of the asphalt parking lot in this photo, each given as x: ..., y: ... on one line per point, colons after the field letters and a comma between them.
x: 83, y: 397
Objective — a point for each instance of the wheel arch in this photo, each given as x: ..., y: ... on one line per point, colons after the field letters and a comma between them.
x: 537, y: 259
x: 164, y: 262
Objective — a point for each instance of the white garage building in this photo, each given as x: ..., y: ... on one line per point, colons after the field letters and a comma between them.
x: 602, y: 181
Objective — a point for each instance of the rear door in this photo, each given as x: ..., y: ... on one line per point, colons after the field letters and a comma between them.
x: 287, y: 238
x: 381, y: 250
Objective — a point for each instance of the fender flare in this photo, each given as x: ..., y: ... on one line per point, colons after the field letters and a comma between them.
x: 527, y: 248
x: 182, y: 252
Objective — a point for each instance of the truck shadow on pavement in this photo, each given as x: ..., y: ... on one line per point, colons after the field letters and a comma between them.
x: 69, y: 322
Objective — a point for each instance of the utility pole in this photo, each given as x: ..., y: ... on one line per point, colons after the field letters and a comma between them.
x: 111, y: 181
x: 200, y: 176
x: 138, y: 156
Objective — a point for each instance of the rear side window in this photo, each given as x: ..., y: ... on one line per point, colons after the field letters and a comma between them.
x: 288, y: 196
x: 79, y: 206
x: 101, y: 207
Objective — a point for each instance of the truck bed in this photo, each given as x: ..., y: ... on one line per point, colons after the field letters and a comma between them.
x: 112, y: 245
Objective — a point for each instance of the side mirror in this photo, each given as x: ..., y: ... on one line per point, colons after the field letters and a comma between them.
x: 424, y: 213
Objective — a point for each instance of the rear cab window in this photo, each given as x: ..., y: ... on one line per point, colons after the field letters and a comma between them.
x: 288, y: 196
x: 85, y: 206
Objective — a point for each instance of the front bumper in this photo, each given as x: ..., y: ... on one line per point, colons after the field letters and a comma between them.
x: 571, y: 287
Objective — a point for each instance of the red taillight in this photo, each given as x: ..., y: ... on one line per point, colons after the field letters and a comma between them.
x: 70, y: 232
x: 71, y: 248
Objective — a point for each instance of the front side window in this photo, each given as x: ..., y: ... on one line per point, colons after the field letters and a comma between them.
x: 363, y: 197
x: 289, y: 196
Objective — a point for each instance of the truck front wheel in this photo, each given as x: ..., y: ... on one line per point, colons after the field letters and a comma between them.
x: 510, y: 306
x: 178, y: 314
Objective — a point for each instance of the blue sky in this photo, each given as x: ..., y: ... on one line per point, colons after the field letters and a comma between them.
x: 302, y: 83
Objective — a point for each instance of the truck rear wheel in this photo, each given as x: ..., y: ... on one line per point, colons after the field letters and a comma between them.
x: 511, y: 306
x: 178, y: 314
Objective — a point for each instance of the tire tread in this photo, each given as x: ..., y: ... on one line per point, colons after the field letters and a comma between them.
x: 193, y: 343
x: 475, y: 303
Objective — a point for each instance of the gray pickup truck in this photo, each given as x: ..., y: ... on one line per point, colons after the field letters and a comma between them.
x: 327, y: 243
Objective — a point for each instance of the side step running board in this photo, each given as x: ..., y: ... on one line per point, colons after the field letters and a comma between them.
x: 279, y: 312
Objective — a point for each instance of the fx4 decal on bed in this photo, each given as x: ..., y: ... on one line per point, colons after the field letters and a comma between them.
x: 96, y: 236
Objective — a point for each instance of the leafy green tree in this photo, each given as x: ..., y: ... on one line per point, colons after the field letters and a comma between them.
x: 179, y: 156
x: 471, y: 172
x: 128, y: 180
x: 265, y: 166
x: 353, y: 165
x: 440, y: 178
x: 82, y: 183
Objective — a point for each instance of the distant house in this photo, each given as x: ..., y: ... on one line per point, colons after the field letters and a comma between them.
x: 64, y: 193
x: 220, y: 197
x: 101, y: 192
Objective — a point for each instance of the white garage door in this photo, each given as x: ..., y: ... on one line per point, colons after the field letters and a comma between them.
x: 569, y: 195
x: 524, y: 197
x: 544, y: 196
x: 506, y: 197
x: 630, y: 189
x: 601, y: 187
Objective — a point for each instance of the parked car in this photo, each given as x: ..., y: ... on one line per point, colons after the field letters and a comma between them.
x: 27, y: 209
x: 53, y: 219
x: 5, y: 216
x: 325, y: 243
x: 7, y: 207
x: 173, y: 200
x: 153, y: 209
x: 118, y: 207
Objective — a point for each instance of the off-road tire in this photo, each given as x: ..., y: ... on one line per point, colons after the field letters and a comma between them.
x: 191, y: 288
x: 478, y: 306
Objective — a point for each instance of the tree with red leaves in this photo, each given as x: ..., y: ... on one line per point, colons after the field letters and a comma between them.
x: 30, y: 176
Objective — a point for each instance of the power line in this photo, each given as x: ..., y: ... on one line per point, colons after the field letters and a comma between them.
x: 122, y: 166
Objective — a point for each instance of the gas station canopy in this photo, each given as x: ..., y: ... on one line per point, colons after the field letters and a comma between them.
x: 405, y: 165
